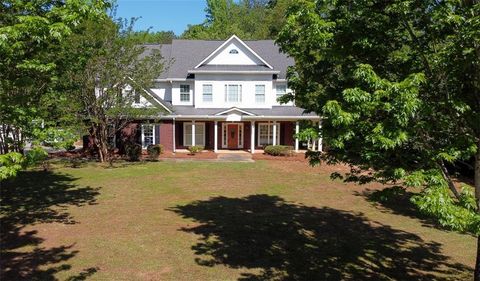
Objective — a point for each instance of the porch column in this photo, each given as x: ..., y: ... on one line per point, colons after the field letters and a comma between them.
x: 320, y: 146
x: 297, y: 130
x: 274, y: 133
x: 252, y: 137
x: 215, y: 136
x: 173, y: 131
x: 193, y: 132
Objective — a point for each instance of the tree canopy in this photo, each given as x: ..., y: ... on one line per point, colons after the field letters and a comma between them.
x: 398, y: 85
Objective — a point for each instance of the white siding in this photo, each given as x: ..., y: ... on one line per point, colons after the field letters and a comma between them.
x: 248, y: 82
x: 244, y: 56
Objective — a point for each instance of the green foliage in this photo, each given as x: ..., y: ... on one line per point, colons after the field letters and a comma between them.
x: 55, y: 137
x: 32, y: 34
x: 10, y: 164
x: 248, y: 19
x: 307, y: 134
x: 395, y: 82
x: 436, y: 201
x: 133, y: 151
x: 154, y: 150
x: 159, y: 37
x: 195, y: 149
x: 35, y: 155
x: 279, y: 150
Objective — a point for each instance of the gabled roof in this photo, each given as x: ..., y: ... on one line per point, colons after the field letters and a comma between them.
x: 233, y: 38
x: 233, y: 110
x: 186, y: 54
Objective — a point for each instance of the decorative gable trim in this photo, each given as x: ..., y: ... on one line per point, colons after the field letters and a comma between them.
x: 235, y: 109
x: 243, y: 44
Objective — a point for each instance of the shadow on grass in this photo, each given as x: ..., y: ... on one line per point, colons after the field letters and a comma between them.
x: 37, y: 197
x: 286, y: 241
x: 398, y: 203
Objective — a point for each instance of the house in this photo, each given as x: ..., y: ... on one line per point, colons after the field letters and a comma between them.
x: 222, y: 95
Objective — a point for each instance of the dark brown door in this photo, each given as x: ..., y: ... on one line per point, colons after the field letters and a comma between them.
x: 232, y: 136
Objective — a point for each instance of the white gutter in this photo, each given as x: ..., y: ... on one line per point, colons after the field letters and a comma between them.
x: 236, y: 71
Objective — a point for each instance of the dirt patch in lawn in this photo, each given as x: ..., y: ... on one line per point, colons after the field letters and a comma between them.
x: 182, y: 155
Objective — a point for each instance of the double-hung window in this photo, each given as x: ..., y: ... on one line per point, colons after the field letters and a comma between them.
x: 281, y: 90
x: 185, y: 93
x: 199, y: 134
x: 265, y: 134
x: 260, y: 93
x: 207, y: 93
x: 148, y: 135
x: 233, y: 93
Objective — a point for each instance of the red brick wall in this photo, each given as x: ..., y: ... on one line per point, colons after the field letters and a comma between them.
x: 166, y: 134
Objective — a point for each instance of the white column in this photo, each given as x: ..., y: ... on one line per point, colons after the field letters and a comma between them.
x: 274, y: 133
x: 297, y: 130
x: 252, y: 137
x: 173, y: 130
x: 193, y: 132
x: 215, y: 137
x: 320, y: 146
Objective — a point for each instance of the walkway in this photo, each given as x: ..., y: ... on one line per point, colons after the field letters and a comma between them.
x: 234, y: 156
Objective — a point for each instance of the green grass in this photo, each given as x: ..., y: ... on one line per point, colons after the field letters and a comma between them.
x: 216, y: 221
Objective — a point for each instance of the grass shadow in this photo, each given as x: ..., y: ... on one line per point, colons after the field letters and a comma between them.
x: 286, y: 241
x: 36, y: 197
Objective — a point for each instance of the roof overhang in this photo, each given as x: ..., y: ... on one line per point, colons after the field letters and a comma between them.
x: 193, y: 71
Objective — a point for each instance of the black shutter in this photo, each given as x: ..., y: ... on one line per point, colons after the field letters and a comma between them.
x: 157, y: 134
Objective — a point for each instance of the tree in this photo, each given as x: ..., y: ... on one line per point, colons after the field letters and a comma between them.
x: 159, y: 37
x: 112, y: 70
x: 31, y: 33
x: 398, y: 85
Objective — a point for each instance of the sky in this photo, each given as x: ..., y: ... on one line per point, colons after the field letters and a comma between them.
x: 163, y: 15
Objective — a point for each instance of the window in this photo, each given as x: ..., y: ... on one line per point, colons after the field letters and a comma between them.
x: 148, y: 135
x: 233, y: 51
x: 233, y: 93
x: 207, y: 93
x: 265, y: 134
x: 199, y: 134
x: 281, y: 90
x: 185, y: 93
x: 259, y: 93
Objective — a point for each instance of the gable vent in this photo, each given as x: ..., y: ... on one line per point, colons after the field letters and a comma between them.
x: 233, y: 51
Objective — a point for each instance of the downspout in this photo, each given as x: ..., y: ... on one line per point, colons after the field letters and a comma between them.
x: 173, y: 135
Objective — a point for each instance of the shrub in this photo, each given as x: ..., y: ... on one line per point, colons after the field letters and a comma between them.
x: 195, y: 149
x: 154, y: 150
x: 279, y: 150
x: 133, y: 151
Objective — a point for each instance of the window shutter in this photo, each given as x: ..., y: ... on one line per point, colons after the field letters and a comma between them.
x: 157, y: 134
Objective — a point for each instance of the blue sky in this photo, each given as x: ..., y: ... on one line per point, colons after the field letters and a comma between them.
x: 163, y: 14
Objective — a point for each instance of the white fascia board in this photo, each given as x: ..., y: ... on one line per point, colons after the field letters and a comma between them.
x: 236, y: 71
x: 241, y: 42
x: 235, y: 109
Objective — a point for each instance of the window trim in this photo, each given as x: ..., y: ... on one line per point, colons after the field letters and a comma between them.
x: 211, y: 93
x: 196, y: 127
x: 189, y: 93
x: 143, y: 134
x: 270, y: 132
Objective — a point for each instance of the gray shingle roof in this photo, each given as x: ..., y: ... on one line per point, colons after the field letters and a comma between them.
x: 186, y: 110
x: 186, y: 54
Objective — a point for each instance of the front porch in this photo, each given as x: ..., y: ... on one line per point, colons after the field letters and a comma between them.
x: 251, y: 136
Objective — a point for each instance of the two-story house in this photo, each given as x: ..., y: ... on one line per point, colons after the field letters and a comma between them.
x: 222, y: 95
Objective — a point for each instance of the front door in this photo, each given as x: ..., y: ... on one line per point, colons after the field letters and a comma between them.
x: 232, y: 136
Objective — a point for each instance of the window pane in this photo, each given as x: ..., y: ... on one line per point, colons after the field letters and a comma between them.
x: 185, y: 93
x: 281, y: 90
x: 260, y: 93
x: 207, y: 93
x: 199, y: 134
x: 233, y: 93
x: 148, y: 137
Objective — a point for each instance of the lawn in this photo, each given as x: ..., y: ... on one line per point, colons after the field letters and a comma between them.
x: 268, y: 220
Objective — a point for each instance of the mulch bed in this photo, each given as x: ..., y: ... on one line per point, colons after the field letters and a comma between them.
x: 299, y: 157
x: 179, y: 155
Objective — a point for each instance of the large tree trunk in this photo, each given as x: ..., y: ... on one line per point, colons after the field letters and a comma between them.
x: 477, y: 197
x: 448, y: 179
